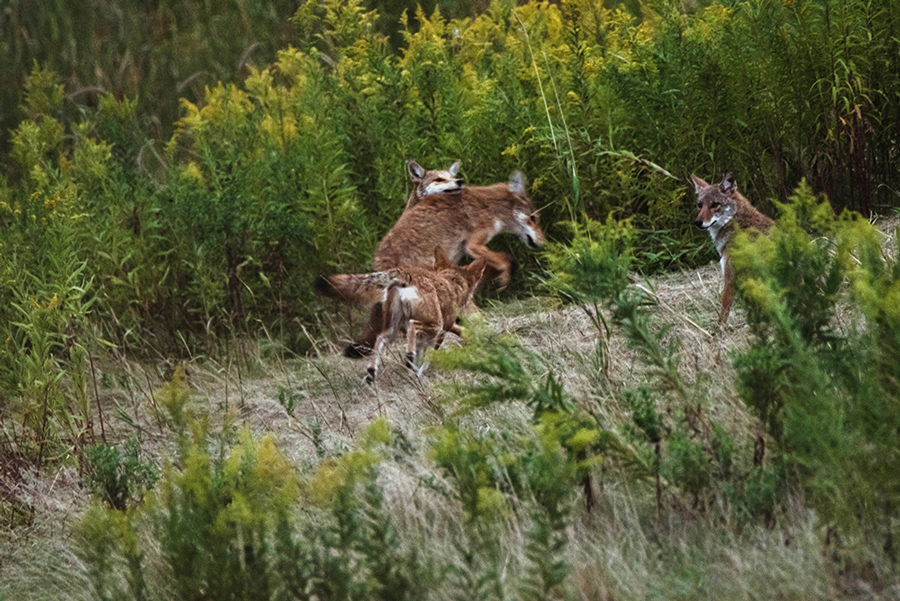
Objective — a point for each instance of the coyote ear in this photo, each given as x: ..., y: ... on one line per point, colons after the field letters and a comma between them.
x: 454, y: 168
x: 698, y: 183
x: 517, y: 183
x: 728, y: 184
x: 415, y: 170
x: 441, y: 261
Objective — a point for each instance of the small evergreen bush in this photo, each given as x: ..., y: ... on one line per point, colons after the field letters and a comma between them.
x: 821, y: 369
x: 118, y: 475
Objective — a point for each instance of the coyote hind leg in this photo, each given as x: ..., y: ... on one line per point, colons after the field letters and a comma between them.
x: 382, y: 340
x: 419, y: 336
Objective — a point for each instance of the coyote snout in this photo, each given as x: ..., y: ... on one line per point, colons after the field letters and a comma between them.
x: 528, y: 227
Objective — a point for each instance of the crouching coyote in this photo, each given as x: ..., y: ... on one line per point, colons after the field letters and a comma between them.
x: 724, y: 210
x: 420, y: 301
x: 461, y: 224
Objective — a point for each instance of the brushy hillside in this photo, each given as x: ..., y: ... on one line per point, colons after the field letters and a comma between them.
x: 557, y: 453
x: 177, y: 422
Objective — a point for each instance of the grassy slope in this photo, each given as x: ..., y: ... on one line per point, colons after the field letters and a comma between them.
x: 615, y: 553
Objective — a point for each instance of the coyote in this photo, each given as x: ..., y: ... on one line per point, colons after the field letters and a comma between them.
x: 461, y: 224
x: 724, y: 210
x: 431, y: 182
x: 417, y: 300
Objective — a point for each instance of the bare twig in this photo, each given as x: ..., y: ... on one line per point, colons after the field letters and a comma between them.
x: 97, y: 396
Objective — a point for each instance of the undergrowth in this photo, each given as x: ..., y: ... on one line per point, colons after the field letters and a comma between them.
x: 670, y: 482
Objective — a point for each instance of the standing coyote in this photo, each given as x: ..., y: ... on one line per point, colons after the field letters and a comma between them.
x: 431, y: 182
x: 724, y: 210
x: 417, y: 300
x: 461, y: 224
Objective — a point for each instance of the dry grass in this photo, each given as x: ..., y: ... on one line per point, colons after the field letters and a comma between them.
x: 616, y: 553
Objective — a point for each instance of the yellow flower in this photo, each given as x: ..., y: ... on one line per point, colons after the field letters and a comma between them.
x: 192, y: 170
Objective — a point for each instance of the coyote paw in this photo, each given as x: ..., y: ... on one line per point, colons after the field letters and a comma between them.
x: 513, y: 265
x: 370, y: 376
x: 411, y: 361
x: 724, y: 329
x: 504, y: 275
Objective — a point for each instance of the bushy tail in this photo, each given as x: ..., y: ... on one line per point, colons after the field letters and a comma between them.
x: 358, y: 289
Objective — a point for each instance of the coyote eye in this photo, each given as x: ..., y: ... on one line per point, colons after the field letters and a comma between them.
x: 714, y: 205
x: 699, y: 205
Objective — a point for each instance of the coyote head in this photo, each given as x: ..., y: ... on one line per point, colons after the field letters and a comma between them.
x: 526, y: 222
x: 715, y: 202
x: 434, y: 181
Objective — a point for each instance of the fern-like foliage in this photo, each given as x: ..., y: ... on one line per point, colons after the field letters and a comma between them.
x: 825, y: 383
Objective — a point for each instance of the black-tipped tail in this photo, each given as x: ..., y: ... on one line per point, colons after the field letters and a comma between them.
x: 355, y: 350
x: 322, y: 286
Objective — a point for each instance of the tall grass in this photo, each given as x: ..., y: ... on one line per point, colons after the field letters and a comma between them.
x: 152, y: 53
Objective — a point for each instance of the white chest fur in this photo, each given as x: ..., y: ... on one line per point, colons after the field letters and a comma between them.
x: 714, y: 228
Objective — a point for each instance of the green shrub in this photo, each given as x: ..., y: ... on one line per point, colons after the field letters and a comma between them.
x: 824, y: 384
x: 212, y: 519
x: 118, y: 476
x: 226, y: 525
x: 764, y: 491
x: 687, y: 465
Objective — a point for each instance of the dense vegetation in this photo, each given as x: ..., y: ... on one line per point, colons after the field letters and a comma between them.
x: 138, y: 225
x: 519, y: 507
